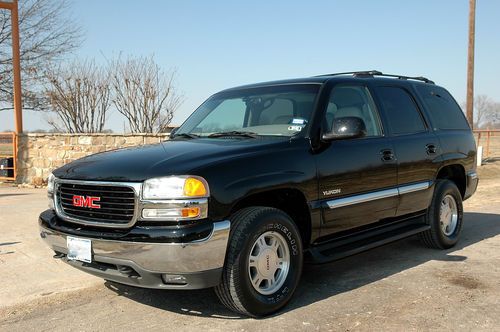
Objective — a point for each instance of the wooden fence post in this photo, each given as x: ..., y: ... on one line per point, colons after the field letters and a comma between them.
x: 488, y: 143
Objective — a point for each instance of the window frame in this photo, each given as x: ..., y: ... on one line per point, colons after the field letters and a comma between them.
x: 369, y: 95
x: 428, y: 111
x: 425, y: 122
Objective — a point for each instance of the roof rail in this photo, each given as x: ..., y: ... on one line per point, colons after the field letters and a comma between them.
x: 371, y: 73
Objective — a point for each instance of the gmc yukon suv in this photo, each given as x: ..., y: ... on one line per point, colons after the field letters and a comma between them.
x: 264, y: 177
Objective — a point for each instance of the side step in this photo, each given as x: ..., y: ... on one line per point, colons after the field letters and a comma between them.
x: 344, y: 247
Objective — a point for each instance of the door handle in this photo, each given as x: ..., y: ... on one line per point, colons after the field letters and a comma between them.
x: 387, y: 155
x: 431, y: 148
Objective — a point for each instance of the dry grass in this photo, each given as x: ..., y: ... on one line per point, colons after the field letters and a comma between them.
x: 489, y: 170
x: 493, y: 149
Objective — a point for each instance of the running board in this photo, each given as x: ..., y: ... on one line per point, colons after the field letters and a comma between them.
x: 335, y: 250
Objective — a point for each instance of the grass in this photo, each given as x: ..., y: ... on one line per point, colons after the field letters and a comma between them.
x: 494, y: 146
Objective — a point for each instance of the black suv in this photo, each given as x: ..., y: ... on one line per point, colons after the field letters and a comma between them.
x: 264, y: 177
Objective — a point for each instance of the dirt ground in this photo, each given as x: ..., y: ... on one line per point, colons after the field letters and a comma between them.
x: 400, y: 286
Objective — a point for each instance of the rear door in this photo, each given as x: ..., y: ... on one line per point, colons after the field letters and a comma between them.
x: 357, y: 177
x: 416, y: 146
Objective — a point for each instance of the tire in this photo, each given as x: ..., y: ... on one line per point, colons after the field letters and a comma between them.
x: 253, y: 232
x: 444, y: 235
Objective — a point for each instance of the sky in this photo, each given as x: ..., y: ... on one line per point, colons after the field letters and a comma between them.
x: 215, y: 45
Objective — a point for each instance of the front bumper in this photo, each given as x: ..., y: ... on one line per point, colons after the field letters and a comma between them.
x: 192, y: 265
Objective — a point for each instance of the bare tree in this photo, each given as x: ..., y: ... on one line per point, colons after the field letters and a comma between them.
x: 47, y: 33
x: 486, y: 111
x: 80, y: 97
x: 493, y: 116
x: 482, y: 109
x: 144, y: 94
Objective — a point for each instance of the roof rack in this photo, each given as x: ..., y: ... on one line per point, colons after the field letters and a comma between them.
x: 371, y: 73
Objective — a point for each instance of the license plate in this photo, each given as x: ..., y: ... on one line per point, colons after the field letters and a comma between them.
x: 79, y: 249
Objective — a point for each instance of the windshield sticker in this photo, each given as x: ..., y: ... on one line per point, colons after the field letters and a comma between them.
x: 298, y: 121
x: 295, y: 128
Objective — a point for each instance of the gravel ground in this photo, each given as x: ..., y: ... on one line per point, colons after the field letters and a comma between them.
x: 401, y: 286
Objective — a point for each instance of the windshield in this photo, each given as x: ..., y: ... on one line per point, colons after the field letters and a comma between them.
x: 283, y: 110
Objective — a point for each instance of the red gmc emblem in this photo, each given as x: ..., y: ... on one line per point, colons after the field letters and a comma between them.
x: 86, y: 201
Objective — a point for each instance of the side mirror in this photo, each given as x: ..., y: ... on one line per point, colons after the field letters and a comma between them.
x: 346, y: 127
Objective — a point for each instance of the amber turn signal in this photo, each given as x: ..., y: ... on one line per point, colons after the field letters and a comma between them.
x: 191, y: 212
x: 194, y: 188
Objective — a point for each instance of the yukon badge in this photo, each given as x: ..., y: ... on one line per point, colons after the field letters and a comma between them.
x: 332, y: 192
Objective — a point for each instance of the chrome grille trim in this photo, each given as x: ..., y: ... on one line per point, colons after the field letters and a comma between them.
x: 99, y: 222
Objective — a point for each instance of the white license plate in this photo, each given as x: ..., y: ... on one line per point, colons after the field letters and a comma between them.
x: 79, y: 249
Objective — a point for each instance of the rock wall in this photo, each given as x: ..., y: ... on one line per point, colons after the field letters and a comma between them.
x: 39, y: 154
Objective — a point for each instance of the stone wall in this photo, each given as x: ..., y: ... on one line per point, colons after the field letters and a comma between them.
x: 39, y: 154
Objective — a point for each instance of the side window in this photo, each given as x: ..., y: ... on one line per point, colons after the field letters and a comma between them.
x: 231, y: 113
x: 443, y: 109
x: 401, y: 111
x: 353, y: 100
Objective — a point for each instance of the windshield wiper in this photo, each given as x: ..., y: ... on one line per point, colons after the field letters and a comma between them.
x: 248, y: 134
x: 185, y: 135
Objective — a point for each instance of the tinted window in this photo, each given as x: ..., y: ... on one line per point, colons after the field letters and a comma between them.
x: 443, y: 109
x: 353, y: 101
x: 402, y: 113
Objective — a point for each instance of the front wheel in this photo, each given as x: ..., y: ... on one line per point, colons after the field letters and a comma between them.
x: 263, y: 262
x: 445, y: 216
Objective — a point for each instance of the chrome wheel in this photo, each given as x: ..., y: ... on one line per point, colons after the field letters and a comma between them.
x: 268, y: 263
x: 448, y: 215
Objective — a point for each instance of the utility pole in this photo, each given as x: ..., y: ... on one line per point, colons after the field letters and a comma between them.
x: 470, y: 63
x: 16, y: 65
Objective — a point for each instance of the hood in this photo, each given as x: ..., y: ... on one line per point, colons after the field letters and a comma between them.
x: 167, y: 158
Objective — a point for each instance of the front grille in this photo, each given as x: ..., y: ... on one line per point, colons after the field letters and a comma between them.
x: 117, y: 203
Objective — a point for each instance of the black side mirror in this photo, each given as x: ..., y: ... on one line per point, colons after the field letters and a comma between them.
x: 346, y: 127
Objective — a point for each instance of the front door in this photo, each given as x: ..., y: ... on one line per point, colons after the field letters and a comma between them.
x: 357, y: 177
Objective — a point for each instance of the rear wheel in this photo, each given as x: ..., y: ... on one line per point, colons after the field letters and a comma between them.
x: 263, y: 262
x: 445, y: 216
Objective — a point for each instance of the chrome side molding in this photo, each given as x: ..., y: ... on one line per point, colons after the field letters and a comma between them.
x: 363, y: 198
x: 414, y: 187
x: 341, y: 202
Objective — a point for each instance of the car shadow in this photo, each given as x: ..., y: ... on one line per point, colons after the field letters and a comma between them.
x: 13, y: 194
x: 8, y: 243
x: 320, y: 282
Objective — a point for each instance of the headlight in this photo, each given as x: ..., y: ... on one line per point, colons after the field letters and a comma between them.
x: 175, y: 187
x: 50, y: 190
x: 175, y: 198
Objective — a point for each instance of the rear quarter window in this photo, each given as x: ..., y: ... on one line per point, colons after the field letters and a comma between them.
x: 443, y: 110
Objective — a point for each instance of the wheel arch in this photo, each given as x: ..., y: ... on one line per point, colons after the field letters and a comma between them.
x: 291, y: 201
x: 456, y: 174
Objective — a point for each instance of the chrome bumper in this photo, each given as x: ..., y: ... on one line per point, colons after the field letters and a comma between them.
x: 142, y: 264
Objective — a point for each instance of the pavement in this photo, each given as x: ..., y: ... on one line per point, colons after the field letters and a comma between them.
x: 24, y: 258
x: 400, y: 286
